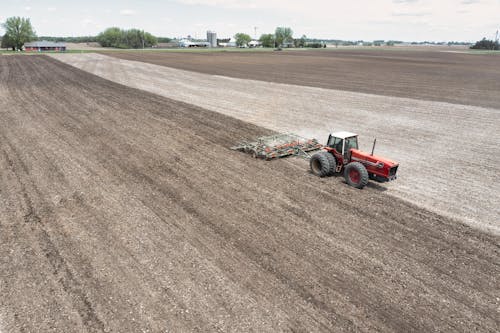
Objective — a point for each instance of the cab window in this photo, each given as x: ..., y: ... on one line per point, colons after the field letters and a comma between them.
x: 336, y: 143
x: 351, y: 143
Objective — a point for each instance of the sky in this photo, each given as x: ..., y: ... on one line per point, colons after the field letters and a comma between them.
x: 406, y: 20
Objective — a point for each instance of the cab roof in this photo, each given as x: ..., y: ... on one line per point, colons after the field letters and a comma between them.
x: 343, y: 134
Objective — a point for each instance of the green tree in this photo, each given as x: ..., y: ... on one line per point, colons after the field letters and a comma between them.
x: 134, y: 38
x: 126, y: 39
x: 486, y: 44
x: 300, y: 42
x: 111, y: 37
x: 242, y: 39
x: 18, y: 30
x: 149, y: 40
x: 267, y: 40
x: 164, y: 39
x: 315, y: 45
x: 6, y: 43
x: 283, y: 35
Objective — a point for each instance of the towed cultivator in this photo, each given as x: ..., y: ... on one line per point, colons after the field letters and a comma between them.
x: 340, y: 155
x: 279, y: 145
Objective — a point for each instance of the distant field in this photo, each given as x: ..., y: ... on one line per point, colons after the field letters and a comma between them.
x: 461, y: 78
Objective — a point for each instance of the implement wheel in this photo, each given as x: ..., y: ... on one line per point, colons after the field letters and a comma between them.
x: 355, y: 174
x: 322, y: 164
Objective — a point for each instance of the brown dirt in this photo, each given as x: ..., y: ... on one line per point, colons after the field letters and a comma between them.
x: 448, y: 153
x: 122, y: 210
x: 470, y: 79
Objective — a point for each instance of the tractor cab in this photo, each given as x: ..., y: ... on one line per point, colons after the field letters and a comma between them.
x: 343, y: 142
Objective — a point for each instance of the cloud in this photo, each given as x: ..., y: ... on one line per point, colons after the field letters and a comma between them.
x: 410, y: 14
x: 87, y: 21
x: 226, y: 3
x: 127, y: 12
x: 254, y: 4
x: 27, y: 8
x: 469, y: 2
x: 51, y: 9
x: 222, y: 3
x: 405, y: 1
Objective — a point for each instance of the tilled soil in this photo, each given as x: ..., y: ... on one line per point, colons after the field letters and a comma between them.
x: 470, y: 79
x: 125, y: 211
x: 448, y: 153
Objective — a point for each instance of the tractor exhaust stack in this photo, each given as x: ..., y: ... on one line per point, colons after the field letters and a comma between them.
x: 373, y: 148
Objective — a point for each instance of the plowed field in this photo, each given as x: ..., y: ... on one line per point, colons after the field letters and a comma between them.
x: 435, y: 76
x: 124, y: 211
x: 449, y: 154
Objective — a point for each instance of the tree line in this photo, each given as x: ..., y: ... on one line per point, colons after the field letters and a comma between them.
x: 282, y: 37
x: 18, y: 31
x: 126, y: 39
x: 486, y: 44
x: 79, y: 39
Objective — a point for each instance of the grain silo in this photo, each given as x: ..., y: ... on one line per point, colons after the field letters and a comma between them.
x: 212, y: 38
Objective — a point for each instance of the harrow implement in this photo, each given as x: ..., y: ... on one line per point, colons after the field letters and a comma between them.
x: 278, y: 145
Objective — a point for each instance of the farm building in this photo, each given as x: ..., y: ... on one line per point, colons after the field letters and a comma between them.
x: 189, y: 43
x: 254, y: 43
x: 228, y: 42
x: 44, y: 46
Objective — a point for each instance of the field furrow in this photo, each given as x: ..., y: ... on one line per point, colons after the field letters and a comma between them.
x: 449, y: 153
x: 121, y: 210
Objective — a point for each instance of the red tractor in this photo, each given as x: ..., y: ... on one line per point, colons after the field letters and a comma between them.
x: 341, y: 154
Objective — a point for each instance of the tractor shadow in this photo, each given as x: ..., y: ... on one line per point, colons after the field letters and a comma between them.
x: 372, y: 184
x: 376, y: 186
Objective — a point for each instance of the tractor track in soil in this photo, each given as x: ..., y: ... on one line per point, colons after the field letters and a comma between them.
x: 122, y: 210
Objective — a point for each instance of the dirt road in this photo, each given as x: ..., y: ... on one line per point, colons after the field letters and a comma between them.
x: 122, y: 210
x: 449, y: 153
x: 429, y: 75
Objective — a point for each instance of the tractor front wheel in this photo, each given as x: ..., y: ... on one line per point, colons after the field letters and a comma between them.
x: 355, y: 175
x: 323, y: 164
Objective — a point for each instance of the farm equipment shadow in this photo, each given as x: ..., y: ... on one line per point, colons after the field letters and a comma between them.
x: 376, y: 186
x: 372, y: 184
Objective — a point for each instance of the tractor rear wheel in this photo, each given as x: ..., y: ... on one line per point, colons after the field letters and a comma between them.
x: 355, y: 174
x: 323, y: 164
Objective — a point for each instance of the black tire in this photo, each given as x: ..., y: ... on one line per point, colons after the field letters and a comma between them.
x: 323, y: 164
x: 355, y: 175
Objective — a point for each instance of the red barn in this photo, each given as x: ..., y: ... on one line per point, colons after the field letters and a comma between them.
x: 44, y: 46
